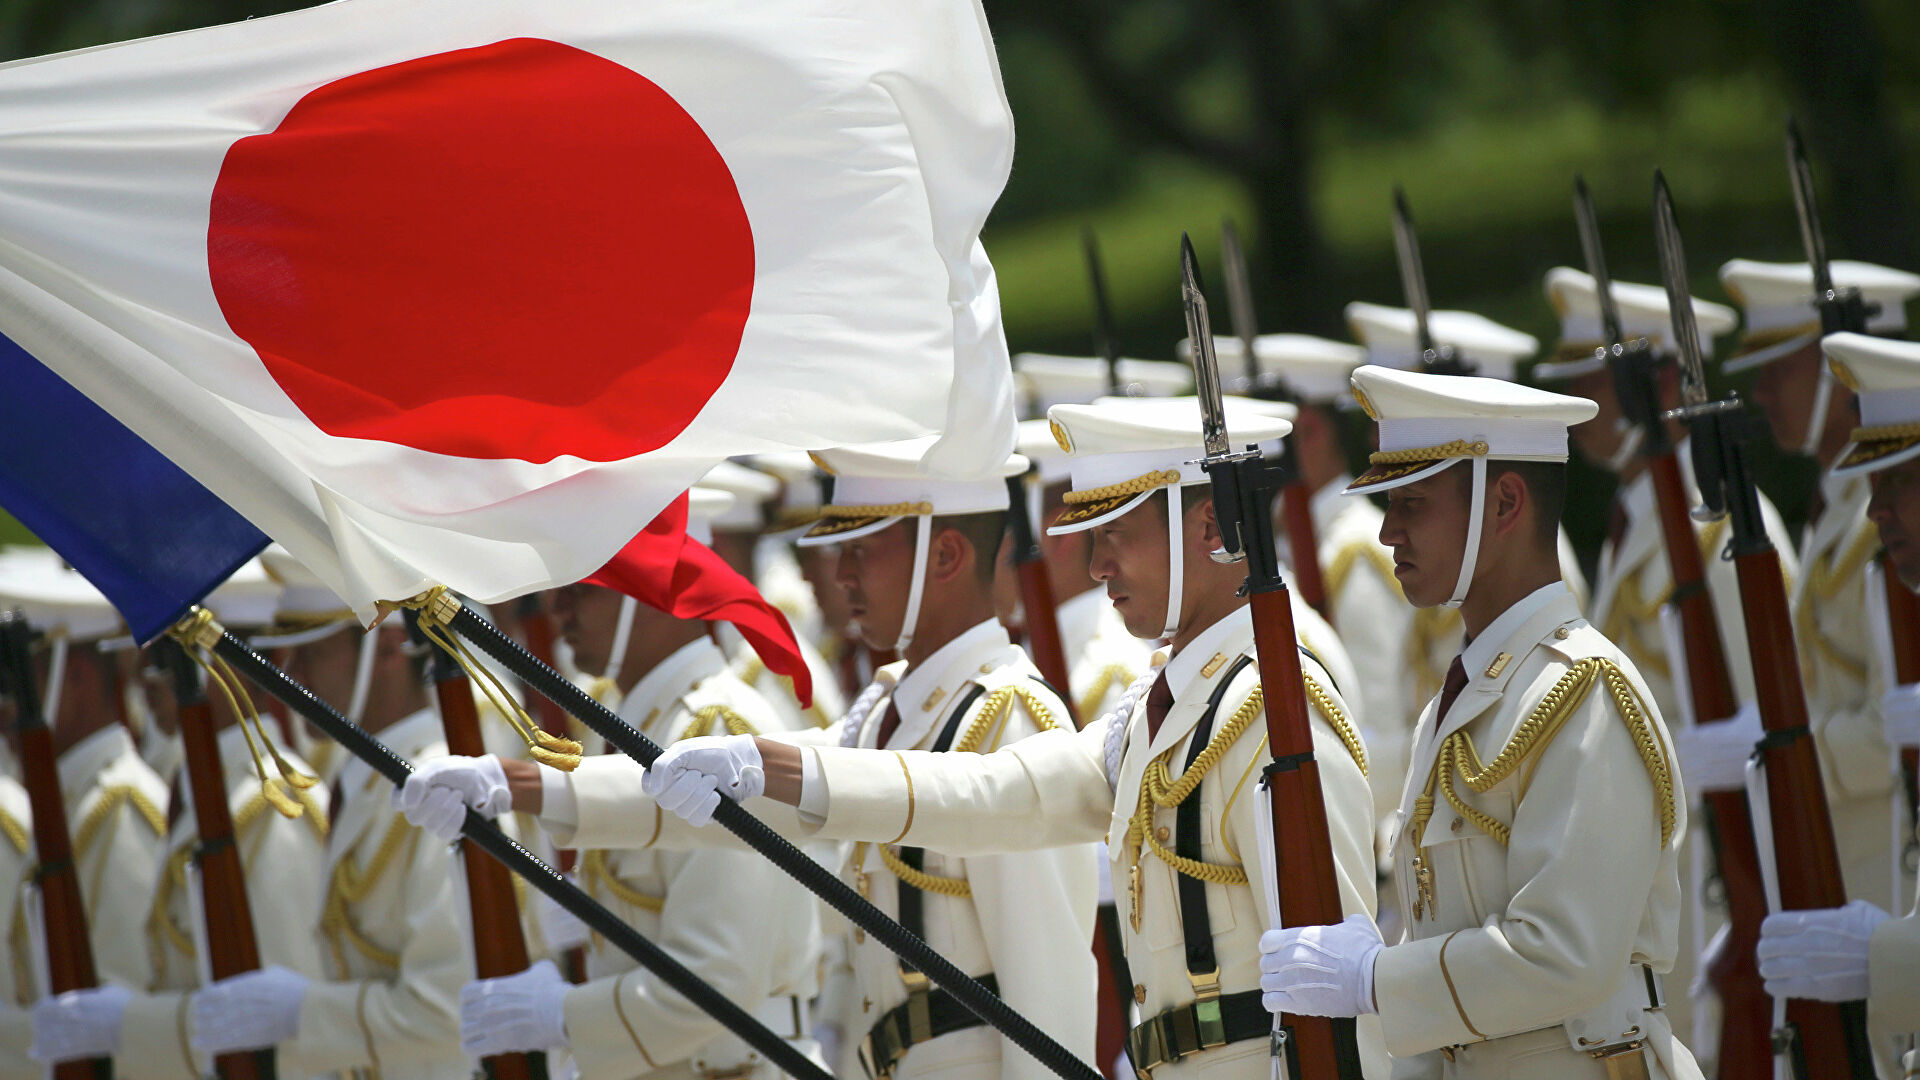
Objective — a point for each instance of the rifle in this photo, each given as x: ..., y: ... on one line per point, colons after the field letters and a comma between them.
x: 1437, y: 359
x: 1819, y: 1039
x: 1036, y: 595
x: 1746, y: 1015
x: 1244, y: 486
x: 231, y: 942
x: 499, y: 948
x: 538, y: 624
x: 1106, y: 342
x: 63, y: 909
x: 1840, y: 309
x: 1296, y: 501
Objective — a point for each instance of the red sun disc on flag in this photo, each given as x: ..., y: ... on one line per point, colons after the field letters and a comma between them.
x: 522, y: 250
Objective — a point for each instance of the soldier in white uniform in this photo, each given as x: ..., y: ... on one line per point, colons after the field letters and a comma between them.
x: 1635, y: 579
x: 916, y: 559
x: 1858, y: 952
x: 732, y: 917
x: 1195, y: 716
x: 388, y: 931
x: 799, y: 581
x: 1542, y: 877
x: 1812, y: 413
x: 16, y: 972
x: 115, y: 804
x: 282, y: 858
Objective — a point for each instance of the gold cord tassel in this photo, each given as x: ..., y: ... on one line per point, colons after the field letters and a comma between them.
x: 437, y: 608
x: 193, y: 635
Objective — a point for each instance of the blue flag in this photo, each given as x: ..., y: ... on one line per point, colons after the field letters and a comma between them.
x: 144, y: 532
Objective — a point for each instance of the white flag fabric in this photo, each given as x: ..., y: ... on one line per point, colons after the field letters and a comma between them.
x: 463, y: 292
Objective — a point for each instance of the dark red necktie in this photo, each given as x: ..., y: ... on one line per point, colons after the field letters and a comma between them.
x: 889, y: 723
x: 1159, y: 700
x: 1456, y: 682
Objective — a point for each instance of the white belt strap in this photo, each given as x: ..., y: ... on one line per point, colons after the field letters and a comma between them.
x: 1760, y: 809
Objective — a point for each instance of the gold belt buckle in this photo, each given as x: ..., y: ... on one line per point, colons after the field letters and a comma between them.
x: 919, y: 1013
x: 1623, y: 1061
x: 1209, y: 1026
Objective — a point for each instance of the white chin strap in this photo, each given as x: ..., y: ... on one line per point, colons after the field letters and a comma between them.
x: 363, y: 675
x: 622, y: 634
x: 1817, y: 419
x: 1629, y: 446
x: 56, y: 678
x: 1476, y: 517
x: 922, y: 536
x: 1176, y: 559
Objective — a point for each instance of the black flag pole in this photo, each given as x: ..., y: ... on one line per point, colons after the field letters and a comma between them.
x: 197, y: 631
x: 738, y: 820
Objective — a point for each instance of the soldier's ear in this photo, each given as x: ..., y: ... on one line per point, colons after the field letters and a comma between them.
x: 950, y: 553
x: 1508, y: 502
x: 1209, y: 523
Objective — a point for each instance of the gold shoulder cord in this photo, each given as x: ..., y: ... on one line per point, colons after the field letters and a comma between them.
x: 704, y: 719
x: 15, y: 832
x: 1631, y: 612
x: 1110, y: 676
x: 1825, y: 578
x: 1353, y: 554
x: 756, y: 667
x: 597, y: 874
x: 351, y: 885
x: 1457, y: 755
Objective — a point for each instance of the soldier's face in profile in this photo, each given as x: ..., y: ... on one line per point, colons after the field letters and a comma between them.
x: 1895, y: 508
x: 325, y: 666
x: 1785, y: 391
x: 588, y: 616
x: 1426, y: 526
x: 1599, y: 439
x: 1129, y: 557
x: 874, y: 573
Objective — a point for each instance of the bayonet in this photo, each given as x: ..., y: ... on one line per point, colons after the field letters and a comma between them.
x: 1105, y: 342
x: 1596, y: 261
x: 1206, y: 367
x: 1240, y: 300
x: 1438, y: 359
x: 1673, y: 274
x: 1840, y: 309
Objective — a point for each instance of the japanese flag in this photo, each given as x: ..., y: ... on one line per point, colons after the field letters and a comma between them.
x: 464, y: 292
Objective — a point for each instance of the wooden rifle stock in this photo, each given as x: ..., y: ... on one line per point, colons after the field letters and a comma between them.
x: 499, y: 946
x: 231, y: 942
x: 1296, y: 515
x: 63, y: 909
x: 1303, y: 848
x: 1036, y: 598
x: 537, y: 622
x: 1746, y: 1012
x: 1832, y: 1039
x: 1903, y: 626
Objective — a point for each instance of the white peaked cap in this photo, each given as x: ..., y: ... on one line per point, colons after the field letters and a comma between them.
x: 800, y: 487
x: 1644, y: 313
x: 248, y: 598
x: 306, y: 609
x: 1043, y: 381
x: 1778, y: 301
x: 1886, y: 376
x: 1390, y: 335
x: 1035, y: 442
x: 705, y: 506
x: 877, y: 484
x: 1122, y: 450
x: 53, y: 596
x: 1315, y: 368
x: 1427, y: 422
x: 750, y: 488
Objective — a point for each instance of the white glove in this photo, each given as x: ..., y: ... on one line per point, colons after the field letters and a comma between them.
x: 78, y: 1024
x: 689, y: 778
x: 1320, y: 970
x: 1713, y: 756
x: 436, y: 797
x: 560, y: 928
x: 248, y: 1012
x: 516, y: 1014
x: 1900, y: 715
x: 1818, y: 955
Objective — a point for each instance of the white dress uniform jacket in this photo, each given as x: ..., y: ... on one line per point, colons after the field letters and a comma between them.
x: 1538, y: 860
x: 1054, y: 789
x: 389, y: 936
x: 16, y: 974
x: 284, y: 861
x: 1029, y: 918
x: 732, y: 917
x: 1102, y: 657
x: 1845, y: 678
x: 116, y: 813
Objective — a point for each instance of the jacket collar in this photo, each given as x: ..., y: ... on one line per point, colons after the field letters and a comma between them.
x: 1195, y: 672
x: 1845, y: 508
x: 926, y: 691
x: 81, y: 766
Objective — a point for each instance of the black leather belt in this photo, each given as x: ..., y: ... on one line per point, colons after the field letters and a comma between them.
x: 1203, y: 1025
x: 928, y: 1013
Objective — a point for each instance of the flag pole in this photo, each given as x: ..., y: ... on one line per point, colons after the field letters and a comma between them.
x: 203, y: 633
x: 818, y: 879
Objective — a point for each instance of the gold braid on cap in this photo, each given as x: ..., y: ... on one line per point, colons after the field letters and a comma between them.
x: 1887, y: 432
x: 1454, y: 449
x: 1157, y: 479
x: 876, y: 510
